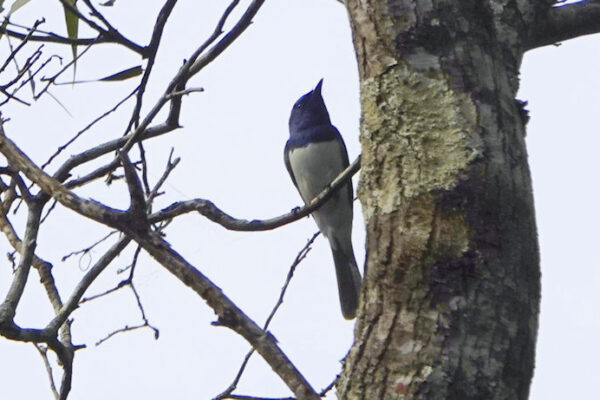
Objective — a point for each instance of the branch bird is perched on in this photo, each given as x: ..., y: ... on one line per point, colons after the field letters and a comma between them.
x: 315, y: 154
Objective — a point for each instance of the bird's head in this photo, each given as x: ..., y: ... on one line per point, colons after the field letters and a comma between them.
x: 309, y: 111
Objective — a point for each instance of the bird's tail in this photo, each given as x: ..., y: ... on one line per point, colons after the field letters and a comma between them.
x: 348, y: 277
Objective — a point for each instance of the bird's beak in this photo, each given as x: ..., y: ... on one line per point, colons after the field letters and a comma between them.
x: 318, y: 87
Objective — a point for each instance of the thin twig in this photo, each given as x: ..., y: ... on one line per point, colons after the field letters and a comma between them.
x: 14, y: 52
x: 89, y: 248
x: 141, y: 308
x: 152, y: 51
x: 229, y: 315
x: 171, y: 164
x: 91, y: 124
x: 301, y: 256
x: 127, y: 328
x: 144, y: 167
x: 185, y: 92
x: 49, y: 211
x: 51, y: 37
x: 73, y: 301
x: 243, y: 23
x: 120, y: 285
x: 43, y: 350
x: 49, y: 81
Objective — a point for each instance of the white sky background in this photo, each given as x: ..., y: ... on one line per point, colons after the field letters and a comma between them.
x: 231, y: 147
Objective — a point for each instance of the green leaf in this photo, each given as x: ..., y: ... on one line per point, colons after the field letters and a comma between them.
x: 119, y: 76
x: 16, y: 5
x: 4, y: 25
x: 125, y: 74
x: 72, y: 23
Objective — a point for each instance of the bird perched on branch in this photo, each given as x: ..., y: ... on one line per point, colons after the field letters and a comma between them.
x: 315, y: 154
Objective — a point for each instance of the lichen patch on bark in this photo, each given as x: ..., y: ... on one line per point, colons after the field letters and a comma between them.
x: 417, y: 136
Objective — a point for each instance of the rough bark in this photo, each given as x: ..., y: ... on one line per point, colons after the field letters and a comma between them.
x: 451, y: 298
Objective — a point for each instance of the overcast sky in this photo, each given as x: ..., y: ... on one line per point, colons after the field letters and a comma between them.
x: 231, y: 146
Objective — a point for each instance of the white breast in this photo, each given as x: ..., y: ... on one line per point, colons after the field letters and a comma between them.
x: 315, y: 166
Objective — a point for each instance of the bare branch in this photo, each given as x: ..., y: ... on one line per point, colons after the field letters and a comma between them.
x: 228, y: 313
x: 171, y: 123
x: 299, y: 258
x: 99, y: 16
x: 32, y: 76
x: 89, y: 208
x: 21, y: 45
x: 10, y: 330
x: 47, y: 280
x: 51, y: 37
x: 104, y: 261
x: 89, y: 248
x: 127, y: 282
x: 43, y: 267
x: 137, y: 206
x: 31, y: 60
x: 144, y: 163
x: 21, y: 71
x: 51, y: 80
x: 193, y: 65
x: 185, y: 92
x: 128, y: 221
x: 127, y: 328
x: 85, y: 282
x: 55, y: 38
x: 563, y: 23
x: 110, y: 32
x: 124, y: 221
x: 227, y: 393
x: 212, y: 212
x: 43, y: 350
x: 171, y: 164
x: 152, y: 50
x: 119, y: 286
x: 244, y: 21
x: 141, y: 308
x: 27, y: 248
x: 16, y: 178
x: 64, y: 348
x: 327, y: 388
x: 105, y: 114
x: 63, y: 172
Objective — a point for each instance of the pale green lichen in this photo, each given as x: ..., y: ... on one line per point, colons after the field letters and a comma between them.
x: 418, y: 135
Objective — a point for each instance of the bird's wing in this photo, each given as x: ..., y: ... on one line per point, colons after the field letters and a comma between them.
x: 286, y: 159
x: 346, y: 162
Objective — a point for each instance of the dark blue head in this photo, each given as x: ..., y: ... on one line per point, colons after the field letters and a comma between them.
x: 309, y: 111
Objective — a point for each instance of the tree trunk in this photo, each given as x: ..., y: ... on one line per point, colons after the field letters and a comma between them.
x: 451, y: 298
